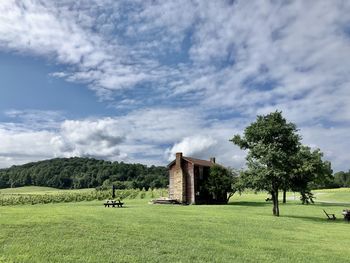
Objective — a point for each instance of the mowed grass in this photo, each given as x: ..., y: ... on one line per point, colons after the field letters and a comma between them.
x: 341, y: 195
x: 243, y: 231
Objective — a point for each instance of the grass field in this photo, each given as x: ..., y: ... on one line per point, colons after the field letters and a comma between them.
x: 341, y: 195
x: 243, y: 231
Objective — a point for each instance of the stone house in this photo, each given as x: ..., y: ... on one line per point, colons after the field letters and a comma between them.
x: 187, y: 176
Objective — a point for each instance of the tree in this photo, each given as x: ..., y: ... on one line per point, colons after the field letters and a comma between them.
x: 310, y: 169
x: 272, y: 143
x: 220, y: 183
x: 342, y: 179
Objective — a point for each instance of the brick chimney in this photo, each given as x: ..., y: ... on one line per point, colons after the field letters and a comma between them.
x: 212, y: 159
x: 178, y: 160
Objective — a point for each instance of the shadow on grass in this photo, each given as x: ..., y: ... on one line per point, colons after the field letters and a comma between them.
x: 309, y: 218
x: 320, y: 203
x: 247, y: 203
x: 257, y: 204
x: 319, y: 219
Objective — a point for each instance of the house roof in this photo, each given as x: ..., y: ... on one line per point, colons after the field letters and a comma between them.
x: 198, y: 161
x: 194, y: 161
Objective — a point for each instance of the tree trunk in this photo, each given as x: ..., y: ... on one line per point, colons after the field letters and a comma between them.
x: 273, y: 202
x: 275, y: 209
x: 277, y: 205
x: 284, y: 196
x: 229, y: 196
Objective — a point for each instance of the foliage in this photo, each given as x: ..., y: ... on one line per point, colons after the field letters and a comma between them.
x: 272, y: 143
x: 311, y: 169
x: 220, y: 183
x: 342, y: 179
x: 77, y: 173
x: 339, y: 179
x: 306, y: 197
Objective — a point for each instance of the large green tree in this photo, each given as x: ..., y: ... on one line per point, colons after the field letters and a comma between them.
x: 272, y: 145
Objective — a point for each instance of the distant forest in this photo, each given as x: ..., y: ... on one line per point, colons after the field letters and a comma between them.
x: 67, y: 173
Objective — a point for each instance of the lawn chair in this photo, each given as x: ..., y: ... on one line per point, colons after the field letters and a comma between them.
x: 346, y: 214
x: 330, y: 216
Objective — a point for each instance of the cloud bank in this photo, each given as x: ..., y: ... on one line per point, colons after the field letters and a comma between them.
x: 187, y: 74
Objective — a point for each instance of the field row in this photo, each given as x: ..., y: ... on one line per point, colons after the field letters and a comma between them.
x: 75, y: 196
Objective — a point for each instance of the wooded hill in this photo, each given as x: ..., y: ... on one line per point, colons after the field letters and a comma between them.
x: 79, y: 173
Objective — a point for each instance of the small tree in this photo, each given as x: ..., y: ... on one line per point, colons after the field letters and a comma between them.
x: 310, y: 169
x: 272, y: 143
x: 220, y: 183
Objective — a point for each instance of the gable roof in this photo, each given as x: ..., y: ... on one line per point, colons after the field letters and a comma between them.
x: 194, y: 161
x: 198, y: 161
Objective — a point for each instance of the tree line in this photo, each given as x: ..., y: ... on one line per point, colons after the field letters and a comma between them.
x: 77, y: 173
x: 341, y: 179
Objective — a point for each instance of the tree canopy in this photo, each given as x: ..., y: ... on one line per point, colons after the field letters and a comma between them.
x: 310, y: 169
x: 78, y: 173
x: 271, y: 143
x: 221, y: 183
x: 342, y: 179
x: 277, y: 160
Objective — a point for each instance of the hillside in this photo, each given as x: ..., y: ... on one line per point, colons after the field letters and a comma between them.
x: 77, y: 173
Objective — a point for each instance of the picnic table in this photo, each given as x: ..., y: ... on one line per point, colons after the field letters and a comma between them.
x: 113, y: 203
x: 346, y: 214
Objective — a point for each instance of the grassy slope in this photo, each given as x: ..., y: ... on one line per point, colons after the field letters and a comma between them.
x: 243, y: 231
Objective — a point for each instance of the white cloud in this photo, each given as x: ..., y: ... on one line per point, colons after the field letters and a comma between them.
x: 192, y: 146
x: 119, y: 138
x: 206, y: 61
x: 96, y: 138
x: 36, y: 119
x: 334, y: 143
x: 139, y: 136
x: 26, y: 145
x: 61, y: 32
x: 152, y: 136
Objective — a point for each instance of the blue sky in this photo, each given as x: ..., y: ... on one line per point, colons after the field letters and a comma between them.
x: 26, y: 84
x: 137, y: 81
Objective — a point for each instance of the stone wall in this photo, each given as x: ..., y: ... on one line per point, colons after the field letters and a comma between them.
x: 178, y: 185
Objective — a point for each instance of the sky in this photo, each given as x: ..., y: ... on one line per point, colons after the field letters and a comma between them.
x: 138, y: 80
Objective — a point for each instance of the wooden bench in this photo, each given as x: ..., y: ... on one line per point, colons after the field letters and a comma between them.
x: 330, y: 216
x: 113, y: 203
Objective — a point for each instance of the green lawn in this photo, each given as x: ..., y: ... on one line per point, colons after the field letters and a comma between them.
x: 341, y: 195
x: 243, y: 231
